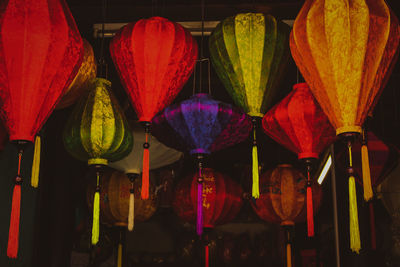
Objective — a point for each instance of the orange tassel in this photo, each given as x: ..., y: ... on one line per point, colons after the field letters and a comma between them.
x: 13, y: 234
x: 310, y: 212
x: 145, y: 170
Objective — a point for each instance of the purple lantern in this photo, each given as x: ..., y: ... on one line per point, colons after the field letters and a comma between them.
x: 201, y: 125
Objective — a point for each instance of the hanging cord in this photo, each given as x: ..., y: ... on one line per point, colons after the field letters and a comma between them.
x: 355, y: 242
x: 201, y: 46
x: 102, y: 62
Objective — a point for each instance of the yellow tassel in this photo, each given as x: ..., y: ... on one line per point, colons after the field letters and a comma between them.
x: 36, y: 163
x: 355, y: 242
x: 288, y: 255
x: 255, y: 189
x: 131, y: 215
x: 368, y: 193
x: 119, y: 259
x: 96, y: 215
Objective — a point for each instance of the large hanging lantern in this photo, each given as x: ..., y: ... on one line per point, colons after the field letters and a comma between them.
x: 82, y: 80
x: 344, y: 51
x: 131, y: 165
x: 201, y: 125
x: 249, y: 53
x: 154, y: 58
x: 40, y: 53
x: 115, y: 199
x: 282, y: 199
x: 221, y: 200
x: 97, y: 132
x: 299, y: 124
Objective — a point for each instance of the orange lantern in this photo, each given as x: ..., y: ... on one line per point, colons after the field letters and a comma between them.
x: 344, y: 49
x: 283, y: 199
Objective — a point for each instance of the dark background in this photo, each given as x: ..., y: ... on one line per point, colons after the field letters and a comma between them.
x: 51, y: 226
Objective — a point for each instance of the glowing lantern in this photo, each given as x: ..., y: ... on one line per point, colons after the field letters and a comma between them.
x: 201, y: 125
x: 249, y: 53
x: 82, y: 80
x: 299, y: 124
x: 97, y: 132
x: 161, y: 155
x: 154, y: 58
x: 344, y: 50
x: 221, y: 200
x: 40, y: 53
x: 282, y: 199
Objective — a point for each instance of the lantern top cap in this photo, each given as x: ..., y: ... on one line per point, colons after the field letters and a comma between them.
x: 285, y: 165
x: 301, y: 86
x: 103, y: 81
x: 201, y: 95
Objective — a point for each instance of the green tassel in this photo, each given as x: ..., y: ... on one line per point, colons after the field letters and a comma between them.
x: 96, y: 215
x: 36, y: 163
x: 355, y: 242
x: 255, y: 190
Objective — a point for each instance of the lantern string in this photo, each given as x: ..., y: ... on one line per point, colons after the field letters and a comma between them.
x: 255, y: 170
x: 146, y: 163
x: 102, y: 62
x: 310, y: 211
x: 355, y: 242
x: 201, y: 45
x: 96, y: 212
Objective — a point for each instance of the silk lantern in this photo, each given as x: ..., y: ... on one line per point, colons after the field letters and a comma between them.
x: 344, y: 50
x: 81, y: 82
x: 97, y: 132
x: 40, y: 53
x: 201, y: 125
x: 299, y: 124
x: 282, y: 199
x: 221, y: 201
x: 154, y: 58
x: 249, y: 53
x: 161, y: 155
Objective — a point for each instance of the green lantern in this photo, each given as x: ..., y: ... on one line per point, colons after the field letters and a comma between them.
x: 97, y: 132
x: 249, y: 53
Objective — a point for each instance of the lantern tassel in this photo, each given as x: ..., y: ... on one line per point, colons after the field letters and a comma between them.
x: 36, y: 163
x: 207, y: 258
x: 372, y: 225
x: 255, y: 189
x: 310, y: 215
x: 199, y: 222
x: 145, y: 169
x: 119, y: 258
x: 368, y: 193
x: 96, y: 214
x: 288, y: 255
x: 355, y: 242
x: 13, y: 234
x: 131, y: 215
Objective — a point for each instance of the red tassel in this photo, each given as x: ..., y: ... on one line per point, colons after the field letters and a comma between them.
x: 372, y: 225
x: 13, y: 234
x: 145, y: 170
x: 310, y: 212
x: 207, y: 256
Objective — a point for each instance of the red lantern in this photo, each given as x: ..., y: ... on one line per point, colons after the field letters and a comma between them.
x: 282, y: 198
x: 154, y: 58
x: 40, y: 53
x: 299, y: 124
x: 222, y: 198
